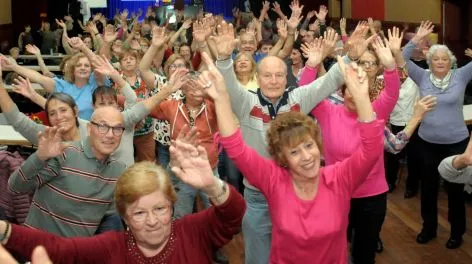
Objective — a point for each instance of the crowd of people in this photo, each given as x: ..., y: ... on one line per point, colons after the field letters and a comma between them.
x: 165, y: 140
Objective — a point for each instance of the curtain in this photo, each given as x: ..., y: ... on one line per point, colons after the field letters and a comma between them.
x: 362, y: 9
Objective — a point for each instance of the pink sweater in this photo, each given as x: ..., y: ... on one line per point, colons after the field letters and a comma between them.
x: 341, y: 133
x: 308, y: 231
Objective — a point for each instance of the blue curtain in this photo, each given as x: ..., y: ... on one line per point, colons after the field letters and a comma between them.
x: 224, y: 7
x: 215, y: 6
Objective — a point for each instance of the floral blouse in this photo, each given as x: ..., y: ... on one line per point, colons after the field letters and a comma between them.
x: 162, y: 127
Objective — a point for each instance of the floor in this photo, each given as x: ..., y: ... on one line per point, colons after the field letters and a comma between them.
x: 399, y: 231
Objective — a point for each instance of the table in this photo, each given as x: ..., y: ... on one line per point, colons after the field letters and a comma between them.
x: 36, y: 86
x: 8, y: 136
x: 33, y: 57
x: 467, y: 110
x: 53, y: 68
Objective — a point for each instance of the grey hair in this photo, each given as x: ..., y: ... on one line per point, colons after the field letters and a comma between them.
x: 438, y: 47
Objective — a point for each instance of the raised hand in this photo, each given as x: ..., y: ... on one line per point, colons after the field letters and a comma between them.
x: 468, y: 53
x: 77, y: 43
x: 395, y: 39
x: 124, y: 14
x: 159, y: 36
x: 109, y: 34
x: 33, y: 49
x: 424, y: 105
x: 310, y: 15
x: 313, y: 51
x: 97, y: 17
x: 329, y: 42
x: 282, y: 29
x: 276, y: 7
x: 61, y: 24
x: 23, y: 86
x: 370, y: 22
x: 187, y: 24
x: 265, y: 6
x: 426, y: 28
x: 342, y: 25
x: 382, y: 49
x: 50, y: 143
x: 321, y: 14
x: 295, y: 17
x: 199, y: 32
x: 92, y: 28
x: 191, y: 165
x: 357, y: 43
x: 356, y: 80
x: 102, y: 66
x: 178, y: 79
x: 7, y: 63
x: 224, y: 41
x: 236, y: 12
x: 211, y: 80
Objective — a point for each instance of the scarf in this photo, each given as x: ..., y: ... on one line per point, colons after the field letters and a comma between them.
x: 441, y: 84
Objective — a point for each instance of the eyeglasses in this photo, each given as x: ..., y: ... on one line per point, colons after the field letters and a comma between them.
x: 367, y: 63
x: 175, y: 66
x: 104, y: 128
x: 158, y: 211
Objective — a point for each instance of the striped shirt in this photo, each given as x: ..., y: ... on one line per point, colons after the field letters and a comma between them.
x: 73, y: 191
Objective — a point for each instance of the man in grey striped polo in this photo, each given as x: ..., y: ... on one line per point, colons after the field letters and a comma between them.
x: 74, y: 183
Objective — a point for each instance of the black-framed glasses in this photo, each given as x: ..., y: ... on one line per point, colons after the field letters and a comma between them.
x: 104, y: 128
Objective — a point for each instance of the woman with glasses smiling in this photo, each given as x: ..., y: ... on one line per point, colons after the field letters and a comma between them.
x: 144, y: 198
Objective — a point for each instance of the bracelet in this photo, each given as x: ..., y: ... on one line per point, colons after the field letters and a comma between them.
x: 5, y: 234
x: 374, y: 116
x: 351, y: 58
x: 218, y: 58
x: 223, y: 191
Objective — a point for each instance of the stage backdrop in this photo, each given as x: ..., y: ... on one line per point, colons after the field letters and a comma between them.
x: 215, y: 6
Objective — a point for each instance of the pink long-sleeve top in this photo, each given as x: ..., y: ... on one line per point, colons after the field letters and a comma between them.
x: 341, y: 133
x: 308, y: 231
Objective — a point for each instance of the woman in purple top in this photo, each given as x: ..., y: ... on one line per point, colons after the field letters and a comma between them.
x: 442, y: 133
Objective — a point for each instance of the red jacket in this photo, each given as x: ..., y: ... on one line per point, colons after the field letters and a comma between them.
x: 16, y: 206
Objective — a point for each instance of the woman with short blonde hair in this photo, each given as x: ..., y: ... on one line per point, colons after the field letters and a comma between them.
x: 145, y: 198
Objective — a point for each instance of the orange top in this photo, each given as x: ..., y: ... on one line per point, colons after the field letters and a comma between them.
x: 176, y: 113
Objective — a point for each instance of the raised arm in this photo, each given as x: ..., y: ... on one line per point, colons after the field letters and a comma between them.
x: 292, y: 25
x: 37, y: 53
x: 352, y: 171
x: 225, y: 44
x: 19, y: 121
x: 282, y: 32
x: 23, y: 86
x: 384, y: 105
x: 201, y: 31
x: 47, y: 82
x: 252, y: 165
x: 414, y: 71
x: 64, y: 38
x: 42, y: 166
x: 186, y: 25
x: 159, y: 38
x: 458, y: 168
